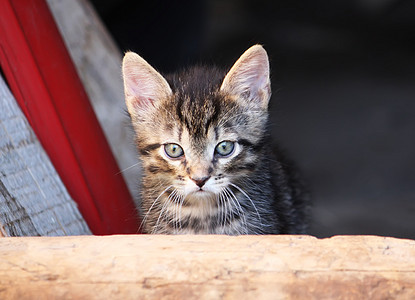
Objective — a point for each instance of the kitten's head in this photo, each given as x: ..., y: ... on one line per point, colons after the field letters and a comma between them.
x: 198, y: 132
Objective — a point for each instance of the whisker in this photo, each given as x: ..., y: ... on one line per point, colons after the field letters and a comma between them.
x: 176, y: 215
x: 225, y: 205
x: 127, y: 168
x: 229, y: 197
x: 222, y: 209
x: 180, y: 210
x: 239, y: 208
x: 174, y: 218
x: 249, y: 198
x: 177, y: 223
x: 154, y: 202
x: 163, y: 209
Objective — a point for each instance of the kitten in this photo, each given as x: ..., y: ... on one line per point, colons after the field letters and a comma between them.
x: 207, y: 159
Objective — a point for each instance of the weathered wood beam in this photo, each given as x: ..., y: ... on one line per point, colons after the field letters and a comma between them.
x: 33, y: 199
x: 98, y: 62
x: 206, y: 267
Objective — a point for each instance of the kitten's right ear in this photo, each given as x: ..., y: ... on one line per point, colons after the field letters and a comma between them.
x: 143, y: 85
x: 249, y: 77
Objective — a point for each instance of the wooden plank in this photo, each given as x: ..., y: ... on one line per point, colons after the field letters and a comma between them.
x: 33, y: 200
x: 98, y: 62
x: 207, y: 267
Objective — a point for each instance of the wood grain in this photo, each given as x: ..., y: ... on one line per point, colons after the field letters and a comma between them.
x: 33, y: 199
x: 207, y: 267
x: 98, y: 62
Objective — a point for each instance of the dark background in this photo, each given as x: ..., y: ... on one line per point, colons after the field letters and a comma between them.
x: 343, y: 75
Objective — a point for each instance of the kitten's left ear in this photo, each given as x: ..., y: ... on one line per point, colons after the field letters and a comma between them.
x: 249, y: 77
x: 143, y: 85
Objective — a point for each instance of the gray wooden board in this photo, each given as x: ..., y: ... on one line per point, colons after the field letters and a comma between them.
x: 98, y: 62
x: 33, y: 199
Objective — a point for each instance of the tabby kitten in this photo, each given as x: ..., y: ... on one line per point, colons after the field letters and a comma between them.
x: 207, y: 160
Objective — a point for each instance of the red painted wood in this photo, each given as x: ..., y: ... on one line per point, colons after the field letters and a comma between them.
x: 44, y: 81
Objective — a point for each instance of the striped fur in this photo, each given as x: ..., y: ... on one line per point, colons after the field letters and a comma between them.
x: 254, y: 190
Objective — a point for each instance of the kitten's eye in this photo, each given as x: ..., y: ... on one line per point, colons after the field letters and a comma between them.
x: 173, y: 150
x: 225, y: 148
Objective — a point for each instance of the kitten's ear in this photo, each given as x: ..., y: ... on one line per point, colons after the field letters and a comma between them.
x: 143, y: 85
x: 249, y: 77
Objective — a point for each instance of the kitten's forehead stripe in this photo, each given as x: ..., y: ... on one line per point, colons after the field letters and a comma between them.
x: 179, y: 110
x: 197, y: 82
x: 213, y: 117
x: 180, y: 132
x: 198, y: 103
x: 216, y: 128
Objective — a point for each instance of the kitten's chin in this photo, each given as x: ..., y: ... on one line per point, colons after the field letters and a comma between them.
x: 200, y: 195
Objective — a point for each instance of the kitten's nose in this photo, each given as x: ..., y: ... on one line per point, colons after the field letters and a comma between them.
x: 200, y: 182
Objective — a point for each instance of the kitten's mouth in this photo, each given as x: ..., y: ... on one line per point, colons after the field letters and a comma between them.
x: 200, y: 194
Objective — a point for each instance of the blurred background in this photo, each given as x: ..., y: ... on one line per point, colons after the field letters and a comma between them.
x: 343, y: 75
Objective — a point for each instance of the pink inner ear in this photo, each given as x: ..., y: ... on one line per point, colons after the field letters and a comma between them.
x: 143, y: 85
x: 143, y: 102
x: 140, y: 91
x: 140, y: 103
